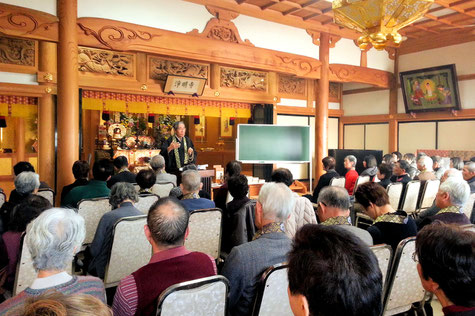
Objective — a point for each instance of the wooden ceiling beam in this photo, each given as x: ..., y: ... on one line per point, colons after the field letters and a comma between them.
x: 446, y: 5
x: 269, y: 5
x: 459, y: 2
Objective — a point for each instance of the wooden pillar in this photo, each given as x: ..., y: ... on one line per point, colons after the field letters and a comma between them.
x: 46, y: 115
x: 68, y: 92
x: 393, y: 123
x: 321, y: 111
x: 20, y: 139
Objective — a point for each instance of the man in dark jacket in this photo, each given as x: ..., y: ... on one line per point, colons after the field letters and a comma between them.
x: 324, y: 181
x: 121, y: 165
x: 80, y: 172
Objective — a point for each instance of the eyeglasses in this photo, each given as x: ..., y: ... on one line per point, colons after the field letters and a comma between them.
x: 415, y: 257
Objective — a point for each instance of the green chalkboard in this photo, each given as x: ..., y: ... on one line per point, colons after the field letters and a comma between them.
x: 272, y: 143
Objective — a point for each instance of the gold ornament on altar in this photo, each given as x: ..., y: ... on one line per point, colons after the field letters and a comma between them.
x: 117, y: 131
x: 378, y: 20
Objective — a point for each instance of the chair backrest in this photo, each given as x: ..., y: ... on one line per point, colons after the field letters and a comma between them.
x: 145, y: 202
x: 92, y: 211
x: 338, y: 182
x: 409, y: 202
x: 205, y: 232
x: 271, y: 298
x: 431, y: 188
x: 3, y: 198
x: 404, y: 285
x: 206, y: 296
x: 383, y: 253
x: 361, y: 180
x: 47, y: 194
x: 162, y: 189
x: 25, y: 272
x: 468, y: 207
x: 394, y: 192
x: 130, y: 249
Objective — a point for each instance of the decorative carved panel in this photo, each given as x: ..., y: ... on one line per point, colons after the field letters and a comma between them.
x: 160, y: 68
x: 348, y: 73
x: 105, y: 62
x: 335, y: 91
x: 243, y: 79
x: 291, y: 85
x: 17, y: 51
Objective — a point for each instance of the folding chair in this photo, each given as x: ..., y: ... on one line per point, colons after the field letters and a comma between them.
x: 468, y: 207
x: 145, y: 202
x: 271, y: 298
x: 404, y: 285
x: 338, y: 182
x: 383, y: 253
x: 394, y: 192
x: 409, y: 202
x: 47, y: 194
x: 130, y: 249
x: 431, y: 187
x: 361, y: 180
x: 205, y: 232
x: 206, y: 296
x: 162, y: 189
x: 92, y: 211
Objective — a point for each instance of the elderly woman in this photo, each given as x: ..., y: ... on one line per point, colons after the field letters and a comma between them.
x: 389, y: 226
x: 122, y: 198
x: 53, y: 239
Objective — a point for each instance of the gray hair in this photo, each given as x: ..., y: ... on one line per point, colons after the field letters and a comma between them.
x: 122, y: 191
x: 351, y: 158
x: 54, y: 237
x: 452, y: 172
x: 458, y: 190
x: 27, y: 182
x: 157, y: 162
x: 470, y: 166
x: 177, y: 124
x: 168, y: 221
x: 191, y: 180
x: 427, y: 162
x: 277, y: 201
x: 335, y: 197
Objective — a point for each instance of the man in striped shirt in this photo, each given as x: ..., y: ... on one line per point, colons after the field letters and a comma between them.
x: 171, y: 262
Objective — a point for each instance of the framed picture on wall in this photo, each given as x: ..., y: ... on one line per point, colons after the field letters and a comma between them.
x: 430, y: 89
x: 200, y: 129
x: 226, y: 129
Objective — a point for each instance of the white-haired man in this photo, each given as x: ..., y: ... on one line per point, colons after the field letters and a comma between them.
x: 270, y: 246
x: 190, y: 186
x: 424, y: 164
x: 452, y: 196
x: 158, y: 166
x: 468, y: 173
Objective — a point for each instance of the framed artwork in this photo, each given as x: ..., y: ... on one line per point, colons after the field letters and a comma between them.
x: 184, y: 85
x: 430, y: 89
x: 226, y: 129
x: 200, y: 129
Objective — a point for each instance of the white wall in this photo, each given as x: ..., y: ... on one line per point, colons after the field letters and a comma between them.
x: 368, y: 103
x: 48, y: 6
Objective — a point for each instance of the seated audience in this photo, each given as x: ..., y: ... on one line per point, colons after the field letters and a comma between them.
x: 452, y: 196
x: 431, y: 211
x: 331, y: 272
x: 303, y: 212
x: 388, y: 159
x: 233, y: 168
x: 385, y: 172
x: 122, y: 198
x: 122, y: 173
x: 101, y: 171
x: 176, y: 191
x: 171, y: 262
x: 468, y: 174
x: 400, y: 174
x: 396, y: 155
x: 58, y: 304
x: 411, y: 159
x: 438, y: 167
x: 446, y: 256
x: 457, y: 163
x: 19, y: 168
x: 389, y: 226
x: 371, y: 165
x: 53, y: 238
x: 26, y: 184
x: 233, y: 221
x: 424, y: 165
x: 334, y: 209
x: 190, y: 186
x: 22, y: 214
x: 351, y: 175
x: 158, y: 166
x: 146, y: 178
x: 80, y: 172
x: 270, y: 246
x: 329, y: 165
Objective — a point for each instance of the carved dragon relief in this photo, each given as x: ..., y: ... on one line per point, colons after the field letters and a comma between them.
x: 291, y: 85
x: 17, y: 51
x: 160, y: 68
x: 243, y: 79
x: 105, y: 62
x: 221, y: 28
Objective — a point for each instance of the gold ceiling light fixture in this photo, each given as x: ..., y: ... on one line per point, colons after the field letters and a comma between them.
x: 378, y: 20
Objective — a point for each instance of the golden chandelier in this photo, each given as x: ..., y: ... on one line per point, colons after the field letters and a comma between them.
x: 378, y: 20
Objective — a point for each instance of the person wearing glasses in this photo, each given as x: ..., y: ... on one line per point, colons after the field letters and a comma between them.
x: 178, y: 149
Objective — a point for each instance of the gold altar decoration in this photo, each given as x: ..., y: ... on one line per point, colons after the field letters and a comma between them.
x: 378, y: 20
